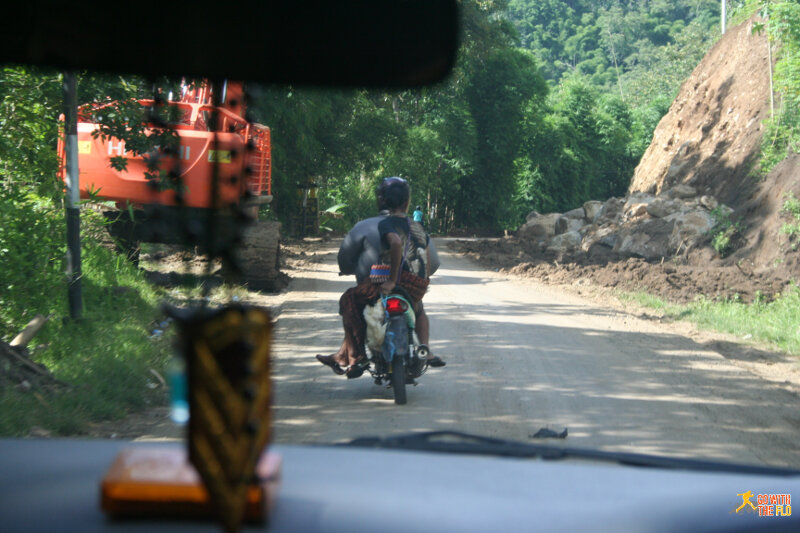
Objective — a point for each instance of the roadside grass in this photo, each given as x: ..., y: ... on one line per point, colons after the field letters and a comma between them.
x: 775, y: 322
x: 106, y: 358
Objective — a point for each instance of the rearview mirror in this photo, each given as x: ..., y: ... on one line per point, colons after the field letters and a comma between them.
x: 316, y: 42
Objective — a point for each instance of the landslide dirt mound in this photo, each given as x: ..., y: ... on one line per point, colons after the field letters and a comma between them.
x: 710, y: 139
x: 672, y: 280
x: 767, y: 247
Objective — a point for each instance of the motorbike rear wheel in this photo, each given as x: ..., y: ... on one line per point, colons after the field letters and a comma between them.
x: 399, y: 380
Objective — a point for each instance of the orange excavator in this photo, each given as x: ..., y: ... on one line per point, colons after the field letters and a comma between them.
x: 221, y: 168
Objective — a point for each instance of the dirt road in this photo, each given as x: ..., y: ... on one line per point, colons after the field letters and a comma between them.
x: 522, y: 356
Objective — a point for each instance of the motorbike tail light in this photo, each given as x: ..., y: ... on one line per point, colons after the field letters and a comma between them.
x: 396, y: 306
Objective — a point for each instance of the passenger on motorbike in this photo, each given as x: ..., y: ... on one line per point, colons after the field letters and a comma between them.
x: 363, y: 247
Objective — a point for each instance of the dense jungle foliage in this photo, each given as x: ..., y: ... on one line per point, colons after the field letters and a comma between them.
x: 552, y: 103
x: 783, y: 29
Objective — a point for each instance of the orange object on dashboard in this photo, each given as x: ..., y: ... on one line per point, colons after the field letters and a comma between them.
x: 160, y: 482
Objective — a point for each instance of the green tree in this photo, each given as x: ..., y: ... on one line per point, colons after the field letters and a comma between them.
x: 580, y: 151
x: 601, y: 40
x: 783, y: 129
x: 31, y: 103
x: 498, y: 98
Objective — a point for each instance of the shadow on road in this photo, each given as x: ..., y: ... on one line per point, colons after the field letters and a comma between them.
x: 517, y: 366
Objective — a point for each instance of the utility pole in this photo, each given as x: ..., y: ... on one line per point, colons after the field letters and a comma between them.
x: 769, y: 62
x: 724, y: 15
x: 72, y: 196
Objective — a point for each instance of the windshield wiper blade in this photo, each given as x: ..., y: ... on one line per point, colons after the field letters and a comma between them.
x: 466, y: 443
x: 458, y: 442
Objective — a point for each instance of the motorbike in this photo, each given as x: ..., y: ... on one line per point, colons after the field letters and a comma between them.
x: 394, y: 353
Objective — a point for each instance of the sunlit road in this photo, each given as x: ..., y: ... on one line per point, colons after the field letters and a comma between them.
x: 522, y: 357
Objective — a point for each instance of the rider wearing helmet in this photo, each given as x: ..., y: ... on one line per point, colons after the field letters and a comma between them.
x: 363, y: 247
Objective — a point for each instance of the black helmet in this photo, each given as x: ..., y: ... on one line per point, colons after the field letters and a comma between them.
x: 393, y: 192
x: 390, y: 182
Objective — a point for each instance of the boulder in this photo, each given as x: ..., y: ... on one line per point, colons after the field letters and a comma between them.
x: 662, y: 207
x: 532, y: 215
x: 709, y: 202
x: 565, y: 224
x: 689, y: 229
x: 605, y: 236
x: 636, y: 211
x: 636, y: 205
x: 588, y: 229
x: 631, y: 243
x: 539, y: 228
x: 612, y: 211
x: 566, y: 242
x: 592, y: 210
x: 649, y: 239
x: 608, y: 236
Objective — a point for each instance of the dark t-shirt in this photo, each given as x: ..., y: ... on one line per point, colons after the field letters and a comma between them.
x: 413, y: 249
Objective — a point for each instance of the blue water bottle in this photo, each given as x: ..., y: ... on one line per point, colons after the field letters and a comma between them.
x: 179, y: 403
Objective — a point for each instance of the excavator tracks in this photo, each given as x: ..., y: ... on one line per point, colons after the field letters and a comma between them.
x: 258, y: 255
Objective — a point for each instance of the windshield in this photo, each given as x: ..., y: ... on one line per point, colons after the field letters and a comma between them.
x: 596, y: 230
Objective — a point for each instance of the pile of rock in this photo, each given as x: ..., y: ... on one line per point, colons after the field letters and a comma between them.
x: 642, y: 225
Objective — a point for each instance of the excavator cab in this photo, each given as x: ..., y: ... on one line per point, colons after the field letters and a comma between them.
x: 240, y: 149
x: 221, y: 166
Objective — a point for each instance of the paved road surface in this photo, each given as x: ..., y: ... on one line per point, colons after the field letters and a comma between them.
x: 522, y: 357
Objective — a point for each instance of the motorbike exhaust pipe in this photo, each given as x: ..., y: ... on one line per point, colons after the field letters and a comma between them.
x: 422, y: 352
